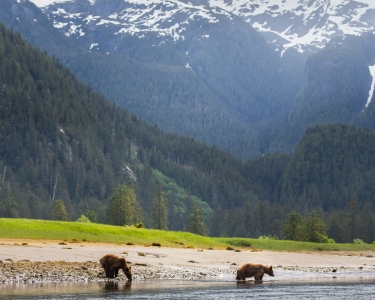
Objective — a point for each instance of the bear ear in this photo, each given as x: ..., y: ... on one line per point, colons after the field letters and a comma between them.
x: 270, y: 267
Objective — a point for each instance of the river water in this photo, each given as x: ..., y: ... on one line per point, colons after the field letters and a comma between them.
x: 319, y: 286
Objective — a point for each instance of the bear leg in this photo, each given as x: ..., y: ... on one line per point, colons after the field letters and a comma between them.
x: 111, y: 273
x: 240, y: 277
x: 259, y: 276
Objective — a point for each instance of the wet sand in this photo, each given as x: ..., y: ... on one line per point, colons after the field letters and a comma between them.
x: 56, y: 261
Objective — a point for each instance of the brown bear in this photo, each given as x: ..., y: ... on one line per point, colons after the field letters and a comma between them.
x: 256, y: 270
x: 112, y: 263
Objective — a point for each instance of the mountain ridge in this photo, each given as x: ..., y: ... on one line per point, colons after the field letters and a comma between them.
x: 227, y: 72
x: 295, y: 23
x: 212, y: 77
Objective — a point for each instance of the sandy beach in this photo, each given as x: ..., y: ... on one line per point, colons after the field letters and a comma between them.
x: 51, y: 261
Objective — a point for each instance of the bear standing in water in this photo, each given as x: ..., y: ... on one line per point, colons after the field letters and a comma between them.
x: 112, y: 263
x: 256, y: 270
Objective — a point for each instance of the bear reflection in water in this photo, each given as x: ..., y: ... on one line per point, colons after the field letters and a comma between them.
x: 114, y: 286
x: 253, y: 270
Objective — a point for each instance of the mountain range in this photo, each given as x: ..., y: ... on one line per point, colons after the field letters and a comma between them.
x: 60, y: 139
x: 229, y: 73
x: 298, y: 24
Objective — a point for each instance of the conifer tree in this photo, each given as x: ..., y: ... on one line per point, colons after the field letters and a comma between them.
x: 196, y: 221
x: 217, y: 222
x: 368, y: 223
x: 353, y: 219
x: 316, y: 229
x: 123, y: 206
x: 247, y: 218
x: 336, y: 227
x: 11, y: 207
x: 293, y: 228
x: 59, y: 211
x: 159, y: 209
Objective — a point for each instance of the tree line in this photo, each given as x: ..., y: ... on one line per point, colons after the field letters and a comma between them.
x: 123, y: 209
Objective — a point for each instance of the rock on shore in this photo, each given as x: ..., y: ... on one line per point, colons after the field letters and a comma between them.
x: 60, y: 271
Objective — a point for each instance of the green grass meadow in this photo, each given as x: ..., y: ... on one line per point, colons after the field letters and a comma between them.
x: 91, y: 232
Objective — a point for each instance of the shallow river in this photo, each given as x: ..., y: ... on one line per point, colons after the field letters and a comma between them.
x: 287, y: 286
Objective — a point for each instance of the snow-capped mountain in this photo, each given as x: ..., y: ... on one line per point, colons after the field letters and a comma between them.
x: 284, y: 23
x: 228, y: 72
x: 298, y: 23
x: 161, y: 19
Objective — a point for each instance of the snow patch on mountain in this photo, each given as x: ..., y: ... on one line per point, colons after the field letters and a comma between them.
x: 304, y: 22
x: 298, y: 24
x: 166, y: 18
x: 43, y: 3
x: 371, y: 92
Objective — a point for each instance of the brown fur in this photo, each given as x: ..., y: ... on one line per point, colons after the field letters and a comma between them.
x: 112, y: 263
x: 256, y: 270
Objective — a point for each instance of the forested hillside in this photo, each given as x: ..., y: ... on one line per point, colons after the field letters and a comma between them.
x: 170, y: 96
x: 215, y: 85
x: 206, y: 73
x: 214, y: 89
x: 336, y: 88
x: 59, y: 140
x: 330, y: 164
x: 36, y: 28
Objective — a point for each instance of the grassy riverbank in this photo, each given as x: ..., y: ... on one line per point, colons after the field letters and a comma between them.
x: 68, y: 231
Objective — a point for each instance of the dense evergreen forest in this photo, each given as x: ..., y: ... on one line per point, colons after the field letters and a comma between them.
x: 216, y: 89
x: 336, y: 86
x: 63, y: 143
x: 61, y: 140
x: 219, y: 98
